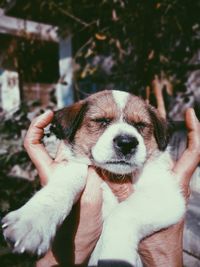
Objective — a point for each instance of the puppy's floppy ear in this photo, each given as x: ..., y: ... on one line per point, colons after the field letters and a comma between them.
x: 161, y: 128
x: 68, y: 120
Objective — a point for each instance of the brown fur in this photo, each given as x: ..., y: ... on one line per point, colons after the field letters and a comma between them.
x: 102, y: 105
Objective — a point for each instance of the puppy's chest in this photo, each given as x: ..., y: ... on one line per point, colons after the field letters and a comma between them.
x: 153, y: 181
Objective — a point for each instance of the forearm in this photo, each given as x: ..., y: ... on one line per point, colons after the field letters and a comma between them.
x: 163, y: 249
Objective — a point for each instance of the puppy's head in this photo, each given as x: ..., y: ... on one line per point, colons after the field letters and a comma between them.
x: 117, y: 131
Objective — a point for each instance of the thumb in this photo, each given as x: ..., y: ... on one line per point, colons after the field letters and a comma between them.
x: 33, y: 145
x: 190, y: 158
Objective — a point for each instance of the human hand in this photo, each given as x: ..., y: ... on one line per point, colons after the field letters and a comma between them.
x: 164, y: 248
x: 43, y: 162
x: 86, y: 237
x: 87, y: 211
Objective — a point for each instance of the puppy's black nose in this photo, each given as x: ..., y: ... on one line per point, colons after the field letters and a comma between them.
x: 125, y: 144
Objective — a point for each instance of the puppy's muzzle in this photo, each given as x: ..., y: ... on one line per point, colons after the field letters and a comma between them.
x: 125, y: 145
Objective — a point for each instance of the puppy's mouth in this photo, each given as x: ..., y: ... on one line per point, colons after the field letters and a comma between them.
x: 118, y: 162
x: 118, y: 166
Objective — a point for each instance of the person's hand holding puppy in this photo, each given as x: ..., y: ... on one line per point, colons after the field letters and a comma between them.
x: 169, y: 241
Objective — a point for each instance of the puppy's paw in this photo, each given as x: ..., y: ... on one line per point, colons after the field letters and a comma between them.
x: 27, y: 232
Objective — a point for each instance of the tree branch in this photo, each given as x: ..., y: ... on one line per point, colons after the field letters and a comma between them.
x: 65, y: 12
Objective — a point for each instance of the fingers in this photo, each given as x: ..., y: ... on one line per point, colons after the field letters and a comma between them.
x: 47, y: 261
x: 92, y: 192
x: 121, y: 190
x: 33, y: 145
x: 157, y: 88
x: 90, y: 222
x: 189, y: 160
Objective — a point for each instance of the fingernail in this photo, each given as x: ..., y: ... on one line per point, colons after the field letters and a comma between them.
x: 39, y: 252
x: 194, y: 115
x: 4, y: 225
x: 16, y: 244
x: 22, y: 250
x: 48, y: 111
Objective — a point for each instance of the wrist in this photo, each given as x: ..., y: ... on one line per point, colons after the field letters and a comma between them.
x: 164, y: 248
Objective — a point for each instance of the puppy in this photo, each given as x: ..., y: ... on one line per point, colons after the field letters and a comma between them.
x: 125, y: 138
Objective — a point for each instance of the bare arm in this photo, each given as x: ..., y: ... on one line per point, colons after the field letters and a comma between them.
x: 165, y: 247
x: 161, y: 249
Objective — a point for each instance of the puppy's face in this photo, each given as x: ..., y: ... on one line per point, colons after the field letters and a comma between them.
x: 115, y: 130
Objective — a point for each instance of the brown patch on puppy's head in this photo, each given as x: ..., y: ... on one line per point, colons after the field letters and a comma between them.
x: 101, y: 112
x: 68, y: 120
x: 147, y: 120
x: 160, y: 128
x: 82, y: 123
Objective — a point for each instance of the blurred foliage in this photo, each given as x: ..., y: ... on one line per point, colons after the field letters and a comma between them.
x: 14, y: 190
x: 12, y: 129
x: 30, y: 57
x: 13, y: 125
x: 13, y: 194
x: 124, y: 43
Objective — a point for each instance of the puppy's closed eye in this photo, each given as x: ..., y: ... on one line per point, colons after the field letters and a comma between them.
x: 103, y: 121
x: 140, y: 126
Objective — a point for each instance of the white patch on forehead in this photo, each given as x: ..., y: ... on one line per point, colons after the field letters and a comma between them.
x: 120, y: 98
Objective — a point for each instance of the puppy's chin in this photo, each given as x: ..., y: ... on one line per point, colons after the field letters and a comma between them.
x: 121, y: 168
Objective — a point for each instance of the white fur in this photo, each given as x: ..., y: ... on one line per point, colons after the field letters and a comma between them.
x: 33, y: 226
x: 156, y: 203
x: 103, y: 150
x: 120, y: 98
x: 109, y: 200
